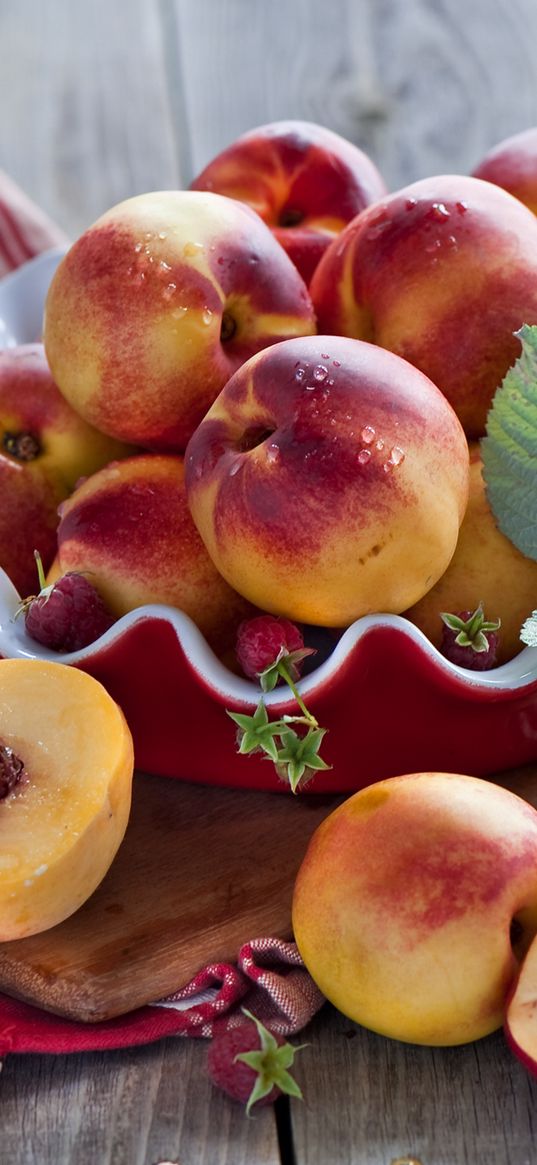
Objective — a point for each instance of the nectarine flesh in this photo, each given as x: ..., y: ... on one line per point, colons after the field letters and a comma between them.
x: 66, y: 765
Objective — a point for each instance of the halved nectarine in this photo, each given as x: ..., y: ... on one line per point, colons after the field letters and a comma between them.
x: 66, y: 765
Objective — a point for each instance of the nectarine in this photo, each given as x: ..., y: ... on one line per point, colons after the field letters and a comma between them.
x: 408, y: 898
x: 486, y: 567
x: 66, y: 765
x: 129, y: 527
x: 155, y: 306
x: 305, y: 181
x: 442, y: 272
x: 45, y: 446
x: 328, y: 481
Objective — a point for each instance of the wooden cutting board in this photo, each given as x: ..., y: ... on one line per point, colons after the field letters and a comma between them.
x: 201, y: 870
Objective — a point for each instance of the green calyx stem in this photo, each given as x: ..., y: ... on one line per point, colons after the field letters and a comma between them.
x: 471, y: 632
x: 40, y: 571
x: 308, y: 718
x: 295, y: 755
x: 271, y: 1064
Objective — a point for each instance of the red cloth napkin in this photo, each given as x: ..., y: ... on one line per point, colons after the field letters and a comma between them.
x: 25, y: 230
x: 269, y: 977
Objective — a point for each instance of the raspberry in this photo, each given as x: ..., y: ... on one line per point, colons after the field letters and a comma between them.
x: 250, y: 1064
x: 260, y: 642
x: 68, y: 615
x: 469, y: 640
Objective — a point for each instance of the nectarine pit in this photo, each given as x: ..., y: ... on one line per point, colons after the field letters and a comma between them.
x: 11, y: 770
x: 24, y: 446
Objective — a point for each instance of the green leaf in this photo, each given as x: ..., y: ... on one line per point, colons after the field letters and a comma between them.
x: 509, y: 450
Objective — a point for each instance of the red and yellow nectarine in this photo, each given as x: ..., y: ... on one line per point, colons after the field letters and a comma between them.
x: 45, y: 447
x: 328, y: 481
x: 443, y: 272
x: 130, y: 529
x: 486, y: 568
x: 305, y: 181
x: 404, y: 905
x: 155, y: 306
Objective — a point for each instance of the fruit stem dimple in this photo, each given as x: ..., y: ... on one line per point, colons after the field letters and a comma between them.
x: 23, y: 446
x: 228, y: 327
x: 11, y: 770
x: 290, y: 217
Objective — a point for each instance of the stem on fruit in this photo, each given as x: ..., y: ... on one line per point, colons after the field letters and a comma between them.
x: 40, y: 571
x: 309, y: 719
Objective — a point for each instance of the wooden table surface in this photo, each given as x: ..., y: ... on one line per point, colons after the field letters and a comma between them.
x: 103, y: 100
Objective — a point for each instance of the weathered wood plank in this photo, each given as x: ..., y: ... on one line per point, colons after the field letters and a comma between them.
x: 424, y: 87
x: 85, y: 119
x: 435, y: 1106
x: 138, y: 1107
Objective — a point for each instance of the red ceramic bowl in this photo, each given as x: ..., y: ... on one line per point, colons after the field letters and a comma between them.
x: 391, y: 703
x: 389, y: 700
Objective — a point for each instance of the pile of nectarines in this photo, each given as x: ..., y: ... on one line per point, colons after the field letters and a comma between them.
x: 264, y: 389
x: 266, y: 393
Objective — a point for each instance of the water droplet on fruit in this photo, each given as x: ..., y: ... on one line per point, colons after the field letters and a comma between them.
x: 164, y: 266
x: 364, y: 456
x: 273, y: 453
x: 396, y: 457
x: 320, y: 373
x: 162, y: 235
x: 368, y: 434
x: 169, y: 291
x: 462, y: 207
x: 191, y: 249
x: 148, y: 235
x: 451, y: 241
x: 234, y: 468
x: 138, y: 247
x: 411, y: 203
x: 440, y: 211
x: 336, y: 363
x: 433, y: 247
x: 379, y: 445
x: 300, y: 373
x: 325, y: 356
x: 179, y: 312
x: 207, y: 316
